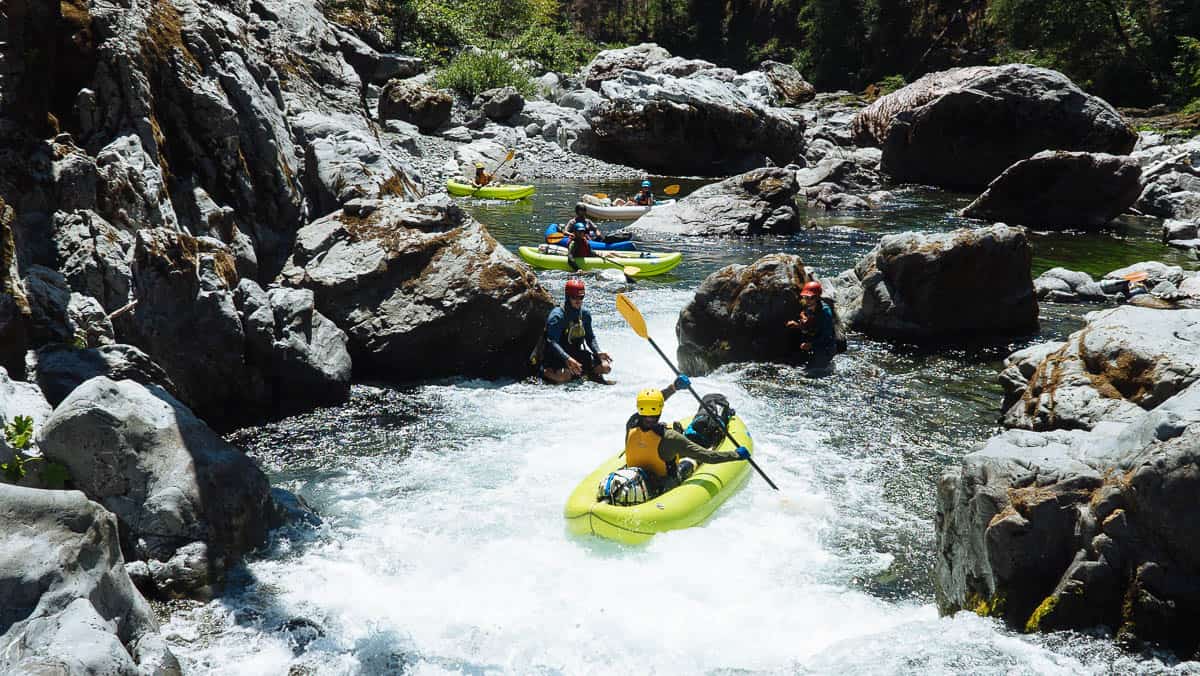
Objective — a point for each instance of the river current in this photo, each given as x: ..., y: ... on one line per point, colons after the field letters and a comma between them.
x: 442, y: 548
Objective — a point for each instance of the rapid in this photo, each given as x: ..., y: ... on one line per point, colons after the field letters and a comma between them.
x: 442, y: 549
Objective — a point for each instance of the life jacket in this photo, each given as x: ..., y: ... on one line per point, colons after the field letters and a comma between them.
x: 580, y: 246
x: 643, y: 200
x: 641, y: 449
x: 575, y: 331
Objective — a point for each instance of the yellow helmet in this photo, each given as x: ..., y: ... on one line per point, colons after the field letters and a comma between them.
x: 650, y: 402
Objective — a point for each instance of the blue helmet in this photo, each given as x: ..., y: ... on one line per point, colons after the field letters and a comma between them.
x: 580, y: 227
x: 645, y: 184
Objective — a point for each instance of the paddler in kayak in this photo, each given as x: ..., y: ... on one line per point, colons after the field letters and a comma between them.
x: 482, y: 178
x: 589, y: 226
x: 644, y: 198
x: 661, y: 451
x: 571, y: 350
x: 579, y: 246
x: 815, y: 326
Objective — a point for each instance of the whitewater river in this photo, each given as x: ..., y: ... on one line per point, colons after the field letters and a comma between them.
x: 442, y: 548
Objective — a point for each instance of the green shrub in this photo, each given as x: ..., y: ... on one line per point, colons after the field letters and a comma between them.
x: 19, y: 435
x: 560, y: 50
x: 472, y: 72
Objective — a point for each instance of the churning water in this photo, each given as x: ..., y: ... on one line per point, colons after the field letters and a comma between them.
x: 442, y: 548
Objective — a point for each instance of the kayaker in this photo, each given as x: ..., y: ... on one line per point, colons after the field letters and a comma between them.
x: 659, y: 449
x: 644, y: 198
x: 579, y: 245
x: 818, y: 343
x: 571, y: 350
x: 593, y: 232
x: 482, y: 178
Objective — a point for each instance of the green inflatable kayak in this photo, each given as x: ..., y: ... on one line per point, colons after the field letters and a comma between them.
x: 648, y: 263
x: 684, y: 506
x: 489, y: 192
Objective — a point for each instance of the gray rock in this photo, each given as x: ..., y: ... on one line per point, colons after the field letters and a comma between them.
x: 653, y: 121
x: 1126, y: 360
x: 59, y: 369
x: 1060, y: 189
x: 90, y: 321
x: 1180, y: 230
x: 1069, y: 286
x: 739, y: 314
x: 459, y: 134
x: 963, y: 127
x: 677, y: 66
x: 939, y: 287
x: 94, y: 256
x: 14, y: 305
x: 471, y: 309
x: 69, y: 607
x: 1155, y: 272
x: 500, y: 103
x: 168, y: 478
x: 762, y: 201
x: 132, y: 191
x: 564, y: 126
x: 791, y: 89
x: 48, y: 299
x: 420, y: 105
x: 609, y: 63
x: 581, y: 100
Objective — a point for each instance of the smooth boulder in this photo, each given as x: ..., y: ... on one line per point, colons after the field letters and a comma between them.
x: 169, y: 479
x: 739, y: 314
x: 421, y: 290
x: 963, y: 127
x: 966, y: 284
x: 417, y: 104
x: 758, y: 202
x: 1058, y: 189
x: 67, y: 606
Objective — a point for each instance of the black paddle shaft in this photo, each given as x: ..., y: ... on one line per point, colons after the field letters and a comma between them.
x: 712, y: 413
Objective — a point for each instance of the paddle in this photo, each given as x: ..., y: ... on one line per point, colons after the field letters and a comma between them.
x: 629, y: 270
x: 1139, y: 276
x: 671, y: 189
x: 507, y: 157
x: 631, y: 314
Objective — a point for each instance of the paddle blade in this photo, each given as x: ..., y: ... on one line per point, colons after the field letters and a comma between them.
x: 630, y: 312
x: 671, y: 189
x: 600, y: 195
x: 630, y: 271
x: 1139, y: 276
x: 511, y: 154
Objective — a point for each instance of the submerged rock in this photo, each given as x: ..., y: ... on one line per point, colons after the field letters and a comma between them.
x: 762, y: 201
x: 964, y: 126
x: 421, y: 290
x: 940, y: 287
x: 1058, y: 189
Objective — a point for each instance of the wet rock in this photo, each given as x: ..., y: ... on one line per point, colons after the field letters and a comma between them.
x: 696, y: 124
x: 59, y: 369
x: 1069, y: 286
x: 169, y: 479
x: 1060, y: 189
x: 500, y: 103
x: 69, y: 606
x: 739, y: 314
x: 1061, y: 530
x: 417, y: 104
x: 1126, y: 360
x: 963, y: 127
x: 609, y: 63
x: 762, y: 201
x: 421, y: 290
x: 939, y: 287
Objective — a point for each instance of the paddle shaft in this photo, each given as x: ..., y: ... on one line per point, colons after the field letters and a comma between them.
x: 712, y: 413
x: 628, y: 277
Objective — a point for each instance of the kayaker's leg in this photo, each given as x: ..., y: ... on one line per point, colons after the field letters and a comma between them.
x: 556, y: 376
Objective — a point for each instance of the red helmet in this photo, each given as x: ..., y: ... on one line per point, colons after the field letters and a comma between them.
x: 575, y: 288
x: 812, y: 288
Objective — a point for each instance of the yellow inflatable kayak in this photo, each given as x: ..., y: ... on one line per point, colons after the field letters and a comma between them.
x: 548, y: 257
x: 684, y: 506
x: 489, y: 192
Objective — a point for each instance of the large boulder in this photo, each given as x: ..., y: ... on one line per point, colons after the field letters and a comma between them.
x: 1126, y: 360
x: 414, y: 103
x: 1172, y: 177
x: 1058, y: 189
x: 499, y: 103
x: 58, y: 369
x: 962, y: 127
x: 421, y: 290
x: 697, y: 125
x: 170, y: 480
x: 791, y: 89
x: 67, y: 606
x: 1080, y: 530
x: 969, y: 283
x: 761, y: 201
x: 739, y: 313
x: 609, y: 63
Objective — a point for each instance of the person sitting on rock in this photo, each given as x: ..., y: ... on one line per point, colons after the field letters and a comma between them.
x: 571, y: 350
x: 482, y: 178
x: 818, y: 343
x: 663, y: 452
x: 644, y: 198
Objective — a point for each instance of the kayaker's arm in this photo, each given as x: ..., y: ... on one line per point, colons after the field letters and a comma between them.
x: 589, y: 334
x: 554, y: 331
x: 675, y: 444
